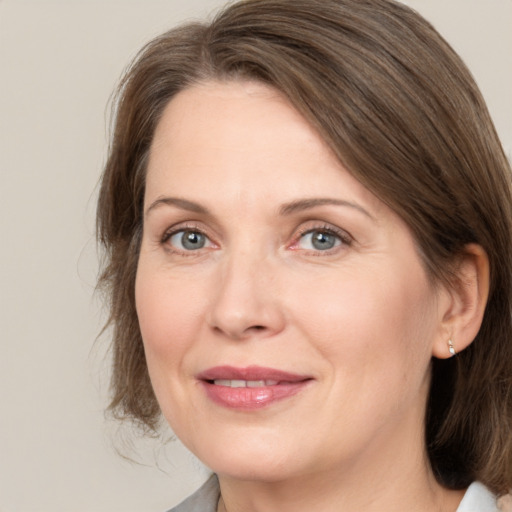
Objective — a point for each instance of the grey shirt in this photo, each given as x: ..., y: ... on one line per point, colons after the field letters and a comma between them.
x: 477, y: 499
x: 205, y: 499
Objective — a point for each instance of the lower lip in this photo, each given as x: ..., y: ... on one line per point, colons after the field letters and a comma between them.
x: 252, y: 398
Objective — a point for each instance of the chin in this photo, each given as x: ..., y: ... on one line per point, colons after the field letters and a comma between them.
x: 250, y: 461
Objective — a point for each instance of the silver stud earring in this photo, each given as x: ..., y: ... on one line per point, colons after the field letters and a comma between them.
x: 451, y: 348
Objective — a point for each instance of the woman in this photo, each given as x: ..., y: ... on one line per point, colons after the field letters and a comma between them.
x: 306, y: 213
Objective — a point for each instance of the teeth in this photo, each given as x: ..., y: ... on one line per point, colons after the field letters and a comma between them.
x: 244, y: 383
x: 256, y: 383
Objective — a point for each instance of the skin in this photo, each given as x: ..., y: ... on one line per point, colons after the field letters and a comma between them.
x: 361, y: 319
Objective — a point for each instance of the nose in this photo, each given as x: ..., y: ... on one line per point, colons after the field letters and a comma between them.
x: 247, y: 302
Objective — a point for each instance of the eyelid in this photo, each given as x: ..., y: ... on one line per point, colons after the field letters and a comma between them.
x: 344, y: 236
x: 329, y: 228
x: 185, y: 226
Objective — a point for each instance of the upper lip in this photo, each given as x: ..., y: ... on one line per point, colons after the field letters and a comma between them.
x: 249, y: 373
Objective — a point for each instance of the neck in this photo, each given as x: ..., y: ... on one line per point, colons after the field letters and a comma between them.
x: 298, y: 497
x: 401, y: 482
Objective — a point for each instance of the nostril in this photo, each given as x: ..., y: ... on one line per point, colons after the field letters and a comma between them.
x: 240, y: 334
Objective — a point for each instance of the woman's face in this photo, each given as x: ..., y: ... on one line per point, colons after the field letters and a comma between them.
x: 287, y: 320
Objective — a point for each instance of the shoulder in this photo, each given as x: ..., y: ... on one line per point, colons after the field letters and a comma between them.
x: 205, y: 499
x: 480, y: 499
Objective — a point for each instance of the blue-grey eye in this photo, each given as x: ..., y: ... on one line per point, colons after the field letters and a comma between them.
x: 188, y: 240
x: 319, y: 240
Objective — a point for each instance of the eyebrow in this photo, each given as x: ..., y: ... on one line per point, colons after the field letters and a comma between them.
x: 183, y: 204
x: 299, y: 205
x: 307, y: 204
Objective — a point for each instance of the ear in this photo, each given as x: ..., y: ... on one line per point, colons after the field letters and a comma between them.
x: 463, y: 304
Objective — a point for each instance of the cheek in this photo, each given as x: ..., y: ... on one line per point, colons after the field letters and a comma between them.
x: 382, y: 324
x: 169, y: 313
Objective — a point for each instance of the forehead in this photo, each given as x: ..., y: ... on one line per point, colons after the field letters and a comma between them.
x: 242, y: 139
x: 230, y: 115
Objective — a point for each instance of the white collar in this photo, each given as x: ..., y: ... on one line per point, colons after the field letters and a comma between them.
x: 478, y: 499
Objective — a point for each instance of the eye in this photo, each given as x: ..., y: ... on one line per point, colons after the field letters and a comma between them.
x: 188, y: 240
x: 319, y: 240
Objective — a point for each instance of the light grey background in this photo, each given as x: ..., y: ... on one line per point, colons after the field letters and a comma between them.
x: 59, y: 61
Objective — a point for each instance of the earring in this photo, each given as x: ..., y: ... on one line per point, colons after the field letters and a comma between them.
x: 451, y: 348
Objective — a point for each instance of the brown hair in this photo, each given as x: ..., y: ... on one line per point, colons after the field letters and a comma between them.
x: 403, y: 114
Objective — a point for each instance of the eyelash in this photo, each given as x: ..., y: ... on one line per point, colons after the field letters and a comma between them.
x: 178, y: 229
x: 345, y: 238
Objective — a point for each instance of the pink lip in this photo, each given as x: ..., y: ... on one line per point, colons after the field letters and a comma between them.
x: 247, y: 398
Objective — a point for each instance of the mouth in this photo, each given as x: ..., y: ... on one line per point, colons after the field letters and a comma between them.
x: 253, y: 387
